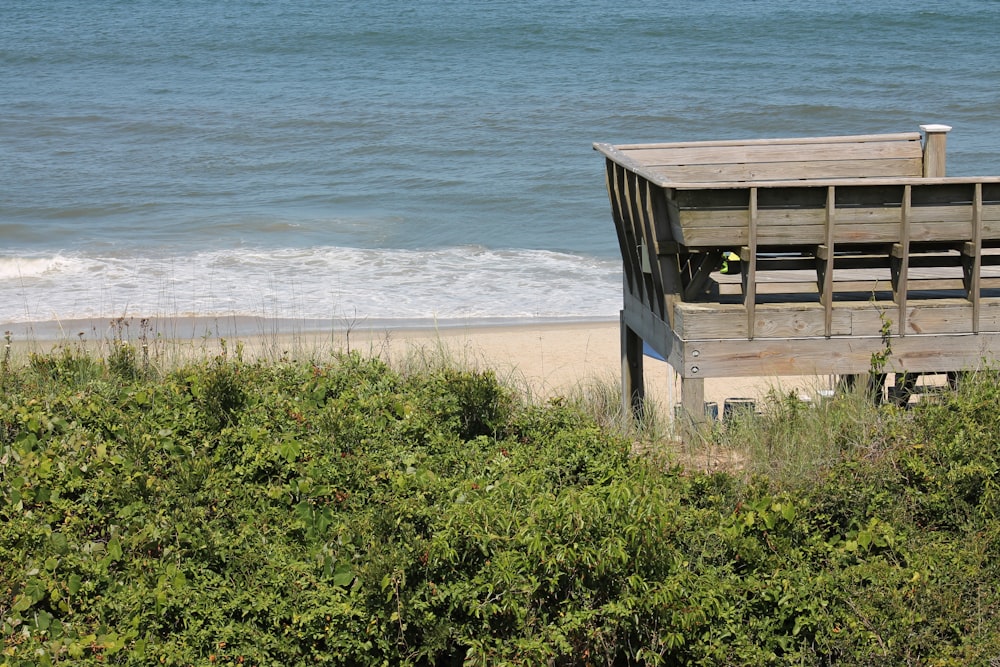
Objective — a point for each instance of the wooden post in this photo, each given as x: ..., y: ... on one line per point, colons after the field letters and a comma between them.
x: 633, y: 385
x: 693, y: 399
x: 935, y: 137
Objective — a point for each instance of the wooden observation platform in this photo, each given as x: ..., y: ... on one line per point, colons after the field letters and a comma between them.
x: 848, y: 246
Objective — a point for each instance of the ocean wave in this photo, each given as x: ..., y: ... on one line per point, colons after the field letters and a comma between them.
x: 320, y: 282
x: 27, y: 268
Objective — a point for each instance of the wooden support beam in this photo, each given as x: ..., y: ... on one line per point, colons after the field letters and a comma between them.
x: 701, y: 265
x: 840, y: 355
x: 693, y: 399
x: 633, y: 383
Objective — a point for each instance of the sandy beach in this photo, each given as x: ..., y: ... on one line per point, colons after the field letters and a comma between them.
x: 553, y: 359
x: 545, y: 358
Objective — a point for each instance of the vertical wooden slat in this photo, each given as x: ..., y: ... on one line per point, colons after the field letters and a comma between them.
x: 631, y: 238
x: 647, y: 246
x: 615, y: 177
x: 633, y: 387
x: 666, y: 252
x: 654, y: 281
x: 748, y: 259
x: 972, y: 280
x: 628, y: 217
x: 902, y: 257
x: 828, y: 261
x: 644, y: 281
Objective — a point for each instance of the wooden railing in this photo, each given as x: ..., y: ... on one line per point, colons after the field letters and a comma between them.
x: 838, y: 238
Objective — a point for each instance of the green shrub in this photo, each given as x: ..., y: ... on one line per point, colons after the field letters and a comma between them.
x: 345, y: 513
x: 67, y: 365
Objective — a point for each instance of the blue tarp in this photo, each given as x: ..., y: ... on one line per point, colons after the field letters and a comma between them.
x: 650, y: 352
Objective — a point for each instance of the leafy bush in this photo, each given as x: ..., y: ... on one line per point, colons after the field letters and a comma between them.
x: 343, y: 513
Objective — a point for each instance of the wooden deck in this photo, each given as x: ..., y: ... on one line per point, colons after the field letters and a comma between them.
x: 847, y: 246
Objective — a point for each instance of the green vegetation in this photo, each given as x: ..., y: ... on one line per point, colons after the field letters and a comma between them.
x: 346, y: 513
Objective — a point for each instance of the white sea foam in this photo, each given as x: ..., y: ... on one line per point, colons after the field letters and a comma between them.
x: 316, y: 283
x: 16, y: 268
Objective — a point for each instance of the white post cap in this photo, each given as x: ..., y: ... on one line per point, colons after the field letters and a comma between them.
x: 935, y: 128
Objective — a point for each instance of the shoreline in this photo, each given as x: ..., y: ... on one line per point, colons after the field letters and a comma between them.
x: 192, y: 327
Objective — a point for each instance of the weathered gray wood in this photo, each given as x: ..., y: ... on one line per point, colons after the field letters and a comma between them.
x: 972, y: 266
x: 850, y: 151
x: 855, y: 224
x: 693, y: 399
x: 633, y: 385
x: 702, y: 266
x: 653, y: 331
x: 615, y: 176
x: 781, y: 161
x: 640, y: 235
x: 841, y: 240
x: 722, y: 321
x: 650, y: 248
x: 901, y: 267
x: 748, y: 258
x: 853, y: 138
x: 934, y: 149
x: 773, y: 171
x: 729, y: 321
x: 826, y: 264
x: 666, y: 251
x: 852, y: 354
x: 879, y: 181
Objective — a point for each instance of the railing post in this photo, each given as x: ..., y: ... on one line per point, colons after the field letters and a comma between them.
x: 934, y: 149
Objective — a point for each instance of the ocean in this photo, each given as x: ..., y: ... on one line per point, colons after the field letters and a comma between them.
x: 412, y: 163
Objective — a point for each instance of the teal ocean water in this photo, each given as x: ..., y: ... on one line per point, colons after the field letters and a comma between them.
x: 387, y: 160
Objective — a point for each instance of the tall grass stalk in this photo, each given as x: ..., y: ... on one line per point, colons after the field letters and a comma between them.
x: 791, y: 440
x: 788, y: 439
x: 652, y: 435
